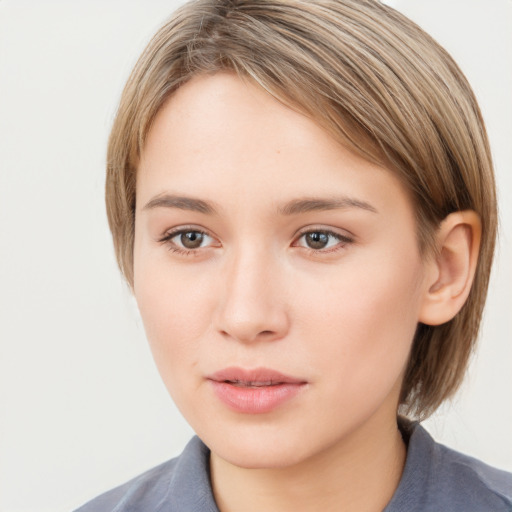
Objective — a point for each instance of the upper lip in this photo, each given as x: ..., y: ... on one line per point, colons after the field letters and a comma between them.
x: 256, y: 376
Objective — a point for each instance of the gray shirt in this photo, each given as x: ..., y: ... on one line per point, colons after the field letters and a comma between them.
x: 435, y: 479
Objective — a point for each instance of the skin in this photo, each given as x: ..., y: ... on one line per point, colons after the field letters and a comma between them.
x: 254, y: 294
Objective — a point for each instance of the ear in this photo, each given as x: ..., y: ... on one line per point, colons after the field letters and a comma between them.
x: 452, y: 269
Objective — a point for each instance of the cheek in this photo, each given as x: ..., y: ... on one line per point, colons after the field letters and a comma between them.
x: 363, y: 323
x: 176, y: 314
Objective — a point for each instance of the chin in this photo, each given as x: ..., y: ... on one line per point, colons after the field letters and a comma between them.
x: 259, y: 457
x: 258, y: 448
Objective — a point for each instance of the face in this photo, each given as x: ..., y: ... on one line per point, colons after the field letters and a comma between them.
x: 277, y: 275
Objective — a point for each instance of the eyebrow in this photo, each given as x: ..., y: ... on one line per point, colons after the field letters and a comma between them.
x: 310, y: 204
x: 182, y: 203
x: 293, y: 207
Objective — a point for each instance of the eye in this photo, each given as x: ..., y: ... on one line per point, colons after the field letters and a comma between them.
x: 321, y: 240
x: 186, y: 240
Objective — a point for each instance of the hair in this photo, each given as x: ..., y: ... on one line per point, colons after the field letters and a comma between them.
x: 377, y: 83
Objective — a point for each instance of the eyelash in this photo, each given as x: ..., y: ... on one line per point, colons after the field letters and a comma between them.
x: 167, y: 240
x: 343, y: 241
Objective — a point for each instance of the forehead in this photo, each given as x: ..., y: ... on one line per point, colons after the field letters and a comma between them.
x: 228, y: 140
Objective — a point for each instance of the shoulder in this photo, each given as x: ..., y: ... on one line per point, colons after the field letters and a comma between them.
x: 471, y: 479
x: 134, y: 491
x: 438, y: 478
x: 179, y: 484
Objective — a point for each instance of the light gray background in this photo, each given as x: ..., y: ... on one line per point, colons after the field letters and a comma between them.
x: 82, y: 407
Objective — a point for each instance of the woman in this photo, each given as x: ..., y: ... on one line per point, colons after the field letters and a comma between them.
x: 301, y: 197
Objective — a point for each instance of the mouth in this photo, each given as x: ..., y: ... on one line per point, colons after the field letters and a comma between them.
x: 259, y: 377
x: 255, y: 391
x: 252, y: 384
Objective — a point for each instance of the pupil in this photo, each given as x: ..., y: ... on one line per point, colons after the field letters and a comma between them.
x: 317, y: 240
x: 191, y: 239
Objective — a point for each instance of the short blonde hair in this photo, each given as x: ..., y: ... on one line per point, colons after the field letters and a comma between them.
x: 374, y: 80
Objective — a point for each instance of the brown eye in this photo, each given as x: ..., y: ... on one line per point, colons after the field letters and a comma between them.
x: 323, y: 241
x: 187, y: 240
x: 191, y: 239
x: 316, y: 239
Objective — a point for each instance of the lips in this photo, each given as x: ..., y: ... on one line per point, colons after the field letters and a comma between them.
x: 252, y: 384
x: 255, y: 391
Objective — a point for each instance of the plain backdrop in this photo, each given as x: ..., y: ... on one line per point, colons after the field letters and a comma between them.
x: 82, y: 406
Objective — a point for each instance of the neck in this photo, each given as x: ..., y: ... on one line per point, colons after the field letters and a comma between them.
x: 362, y: 473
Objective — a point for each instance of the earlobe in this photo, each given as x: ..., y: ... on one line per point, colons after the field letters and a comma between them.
x: 453, y: 268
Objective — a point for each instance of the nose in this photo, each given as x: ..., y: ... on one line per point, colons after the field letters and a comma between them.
x: 252, y: 304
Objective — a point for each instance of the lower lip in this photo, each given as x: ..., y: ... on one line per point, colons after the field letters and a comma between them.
x: 255, y: 400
